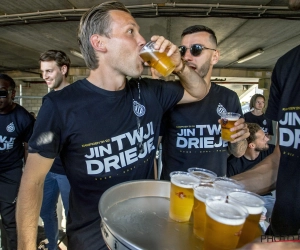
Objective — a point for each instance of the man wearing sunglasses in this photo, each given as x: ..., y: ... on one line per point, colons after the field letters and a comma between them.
x: 16, y: 126
x: 191, y: 132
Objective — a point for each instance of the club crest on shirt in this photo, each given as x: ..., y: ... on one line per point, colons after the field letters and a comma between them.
x: 10, y: 127
x: 265, y: 122
x: 138, y: 109
x: 221, y: 109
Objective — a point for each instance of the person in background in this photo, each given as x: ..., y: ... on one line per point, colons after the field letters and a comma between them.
x: 257, y: 104
x: 105, y: 127
x: 191, y: 132
x: 282, y: 166
x: 16, y: 126
x: 258, y: 149
x: 54, y: 65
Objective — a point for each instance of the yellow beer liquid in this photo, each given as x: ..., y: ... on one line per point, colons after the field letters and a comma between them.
x: 199, y: 218
x: 159, y: 61
x: 202, y: 192
x: 226, y: 125
x: 251, y: 230
x: 181, y: 197
x: 254, y: 205
x: 222, y: 233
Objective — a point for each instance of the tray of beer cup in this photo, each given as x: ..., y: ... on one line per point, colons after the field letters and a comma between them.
x: 135, y: 215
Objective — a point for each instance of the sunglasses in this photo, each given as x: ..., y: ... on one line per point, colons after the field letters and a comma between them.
x: 4, y: 93
x: 195, y: 49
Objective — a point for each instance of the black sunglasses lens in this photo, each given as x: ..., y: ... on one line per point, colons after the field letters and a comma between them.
x: 182, y: 50
x: 196, y: 49
x: 3, y: 93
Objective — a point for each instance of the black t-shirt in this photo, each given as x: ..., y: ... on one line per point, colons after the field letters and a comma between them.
x: 57, y: 167
x: 191, y: 133
x: 96, y: 133
x: 284, y: 107
x: 239, y: 165
x: 265, y: 123
x: 15, y: 129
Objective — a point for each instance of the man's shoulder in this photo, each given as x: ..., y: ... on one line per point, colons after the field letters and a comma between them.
x: 221, y: 89
x: 68, y: 91
x: 232, y: 159
x: 22, y: 111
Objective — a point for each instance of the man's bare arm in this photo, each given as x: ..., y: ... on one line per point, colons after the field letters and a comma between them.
x: 262, y: 178
x: 30, y: 199
x: 195, y: 87
x: 238, y: 149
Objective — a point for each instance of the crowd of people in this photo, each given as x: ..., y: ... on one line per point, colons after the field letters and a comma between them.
x: 79, y: 147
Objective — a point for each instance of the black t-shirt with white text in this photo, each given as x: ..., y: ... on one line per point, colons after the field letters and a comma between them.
x: 192, y: 134
x: 284, y: 107
x: 99, y: 134
x: 15, y: 128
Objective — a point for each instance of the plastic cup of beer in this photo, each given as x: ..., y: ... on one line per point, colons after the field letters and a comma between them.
x: 224, y: 223
x: 255, y: 205
x: 227, y: 184
x: 227, y: 122
x: 201, y: 193
x: 205, y: 176
x: 182, y: 195
x: 159, y: 61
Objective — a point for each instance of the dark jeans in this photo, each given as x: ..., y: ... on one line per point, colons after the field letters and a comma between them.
x: 54, y: 184
x: 8, y: 220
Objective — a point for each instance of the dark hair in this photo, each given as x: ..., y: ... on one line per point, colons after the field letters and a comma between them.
x: 253, y: 100
x: 58, y: 56
x: 7, y: 78
x: 253, y: 129
x: 96, y: 20
x: 200, y: 28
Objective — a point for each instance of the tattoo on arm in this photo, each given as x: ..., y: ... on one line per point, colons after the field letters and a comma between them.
x: 238, y: 149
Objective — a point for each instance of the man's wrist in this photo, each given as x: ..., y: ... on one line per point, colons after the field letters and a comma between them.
x: 177, y: 72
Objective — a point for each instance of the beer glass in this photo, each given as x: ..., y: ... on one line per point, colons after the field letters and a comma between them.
x: 227, y: 122
x: 205, y: 176
x: 159, y: 61
x: 182, y: 195
x: 224, y: 223
x: 201, y: 192
x: 255, y: 205
x: 228, y: 185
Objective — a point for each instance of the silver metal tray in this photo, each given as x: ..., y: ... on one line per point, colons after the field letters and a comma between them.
x: 135, y: 215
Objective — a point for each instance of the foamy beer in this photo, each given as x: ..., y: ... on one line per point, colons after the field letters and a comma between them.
x: 159, y: 61
x: 224, y: 223
x: 201, y: 193
x: 228, y: 185
x: 254, y: 204
x: 227, y: 122
x: 205, y: 176
x: 182, y: 195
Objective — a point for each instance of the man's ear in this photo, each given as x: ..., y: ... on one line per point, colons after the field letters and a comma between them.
x: 64, y: 69
x: 251, y: 145
x: 97, y: 42
x: 215, y: 57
